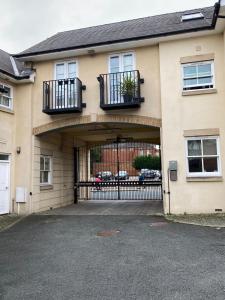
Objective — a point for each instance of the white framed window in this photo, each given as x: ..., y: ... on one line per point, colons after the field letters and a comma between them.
x: 203, y: 156
x: 65, y: 92
x: 121, y: 62
x: 45, y: 169
x: 198, y: 75
x: 6, y: 96
x: 118, y: 63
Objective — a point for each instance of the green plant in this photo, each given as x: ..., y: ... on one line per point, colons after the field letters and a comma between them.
x: 147, y: 162
x: 128, y: 86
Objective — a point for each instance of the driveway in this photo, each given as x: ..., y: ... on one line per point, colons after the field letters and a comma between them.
x: 110, y: 257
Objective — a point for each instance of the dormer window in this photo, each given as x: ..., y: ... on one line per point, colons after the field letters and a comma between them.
x: 193, y: 16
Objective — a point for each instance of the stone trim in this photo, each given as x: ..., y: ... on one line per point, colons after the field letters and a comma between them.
x: 7, y: 110
x: 204, y: 179
x: 107, y: 118
x: 199, y: 92
x: 46, y: 152
x: 202, y: 132
x: 46, y: 187
x: 197, y: 58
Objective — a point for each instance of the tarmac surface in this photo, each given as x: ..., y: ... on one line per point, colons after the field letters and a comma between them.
x: 68, y: 256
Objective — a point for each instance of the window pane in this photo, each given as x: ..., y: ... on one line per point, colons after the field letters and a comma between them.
x: 195, y: 165
x: 205, y: 80
x: 194, y: 148
x: 5, y: 101
x: 7, y: 89
x: 114, y: 64
x: 210, y: 164
x: 45, y: 176
x: 128, y: 62
x: 4, y: 157
x: 41, y: 177
x: 41, y: 163
x: 47, y: 164
x: 60, y: 73
x: 72, y: 70
x: 209, y: 147
x: 204, y: 70
x: 188, y: 82
x: 190, y: 71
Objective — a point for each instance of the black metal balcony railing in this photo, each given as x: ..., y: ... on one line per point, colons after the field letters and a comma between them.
x: 120, y: 90
x: 62, y: 96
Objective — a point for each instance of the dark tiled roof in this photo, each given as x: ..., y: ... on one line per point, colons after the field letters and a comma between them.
x: 149, y: 27
x: 5, y: 62
x: 7, y: 67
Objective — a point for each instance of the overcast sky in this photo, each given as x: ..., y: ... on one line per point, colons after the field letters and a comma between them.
x: 24, y: 23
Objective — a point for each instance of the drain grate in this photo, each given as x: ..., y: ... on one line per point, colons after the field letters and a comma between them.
x: 107, y: 233
x: 158, y: 224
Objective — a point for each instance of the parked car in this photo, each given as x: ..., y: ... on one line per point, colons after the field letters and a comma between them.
x: 105, y: 175
x: 158, y: 174
x: 148, y: 174
x: 123, y: 175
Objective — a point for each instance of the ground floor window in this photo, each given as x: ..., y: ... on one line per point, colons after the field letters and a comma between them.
x: 45, y: 169
x: 203, y: 157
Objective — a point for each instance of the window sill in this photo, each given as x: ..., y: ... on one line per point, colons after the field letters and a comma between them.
x: 46, y: 187
x: 199, y: 92
x: 7, y: 110
x: 204, y: 179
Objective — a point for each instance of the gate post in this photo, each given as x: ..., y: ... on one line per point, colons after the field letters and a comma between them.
x: 75, y: 157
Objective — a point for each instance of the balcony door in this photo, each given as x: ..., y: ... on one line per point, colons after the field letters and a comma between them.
x: 118, y: 64
x: 65, y: 88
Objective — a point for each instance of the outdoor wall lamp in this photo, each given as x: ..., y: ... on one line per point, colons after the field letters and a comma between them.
x: 18, y: 150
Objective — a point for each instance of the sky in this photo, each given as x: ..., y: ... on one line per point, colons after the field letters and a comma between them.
x: 27, y: 22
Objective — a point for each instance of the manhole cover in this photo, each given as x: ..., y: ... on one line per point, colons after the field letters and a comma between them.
x: 108, y: 233
x: 158, y: 224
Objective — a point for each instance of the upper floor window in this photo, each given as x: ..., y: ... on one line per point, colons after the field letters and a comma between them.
x: 120, y: 67
x: 65, y: 90
x: 6, y: 96
x: 203, y: 157
x: 64, y: 70
x: 121, y: 62
x: 198, y: 75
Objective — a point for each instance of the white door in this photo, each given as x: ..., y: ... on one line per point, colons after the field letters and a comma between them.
x: 117, y: 64
x: 4, y: 187
x: 65, y: 91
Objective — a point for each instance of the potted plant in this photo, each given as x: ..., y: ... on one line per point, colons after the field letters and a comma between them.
x: 128, y: 89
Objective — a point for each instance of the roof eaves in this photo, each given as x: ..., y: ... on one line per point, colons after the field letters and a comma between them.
x: 13, y: 75
x: 204, y: 28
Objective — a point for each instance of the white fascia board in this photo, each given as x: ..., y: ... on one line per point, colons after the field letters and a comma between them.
x: 15, y: 69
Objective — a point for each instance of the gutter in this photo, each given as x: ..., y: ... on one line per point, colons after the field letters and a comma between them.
x: 14, y: 76
x: 204, y: 28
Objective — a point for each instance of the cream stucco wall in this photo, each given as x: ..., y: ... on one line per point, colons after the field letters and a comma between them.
x: 160, y: 67
x: 60, y: 192
x: 89, y: 68
x: 181, y: 113
x: 7, y: 141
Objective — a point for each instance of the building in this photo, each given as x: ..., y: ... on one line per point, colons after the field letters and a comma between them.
x: 155, y: 80
x: 127, y: 152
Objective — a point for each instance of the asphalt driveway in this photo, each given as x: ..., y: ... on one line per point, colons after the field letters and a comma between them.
x: 145, y: 257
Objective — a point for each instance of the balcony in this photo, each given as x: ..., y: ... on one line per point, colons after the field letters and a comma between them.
x: 120, y: 90
x: 62, y: 96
